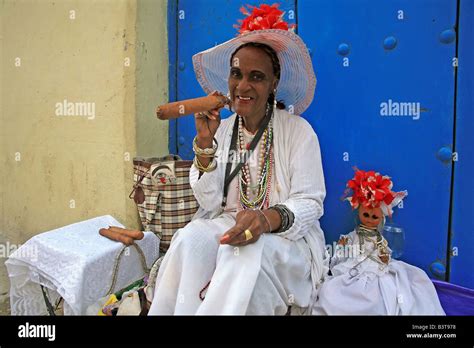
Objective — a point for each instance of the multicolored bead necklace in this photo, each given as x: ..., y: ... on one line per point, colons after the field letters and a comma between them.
x: 264, y: 172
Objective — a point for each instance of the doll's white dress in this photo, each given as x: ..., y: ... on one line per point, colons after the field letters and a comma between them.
x: 362, y: 284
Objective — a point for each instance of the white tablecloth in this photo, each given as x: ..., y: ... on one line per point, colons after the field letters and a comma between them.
x: 73, y: 262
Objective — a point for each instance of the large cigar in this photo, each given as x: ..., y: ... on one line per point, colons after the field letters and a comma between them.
x: 191, y: 106
x: 117, y: 236
x: 135, y: 234
x: 122, y: 235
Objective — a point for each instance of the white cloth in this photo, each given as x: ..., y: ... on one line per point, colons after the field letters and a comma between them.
x: 243, y: 280
x: 375, y: 289
x: 276, y: 264
x: 73, y: 262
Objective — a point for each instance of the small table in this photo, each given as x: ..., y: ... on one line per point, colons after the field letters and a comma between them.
x: 73, y: 262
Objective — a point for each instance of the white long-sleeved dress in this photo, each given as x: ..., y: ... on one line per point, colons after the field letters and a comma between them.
x: 361, y: 284
x: 265, y: 277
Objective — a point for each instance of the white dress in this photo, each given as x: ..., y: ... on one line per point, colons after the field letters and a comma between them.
x: 265, y: 277
x: 362, y: 284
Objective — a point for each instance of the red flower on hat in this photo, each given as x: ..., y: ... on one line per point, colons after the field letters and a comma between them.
x: 370, y: 189
x: 263, y: 17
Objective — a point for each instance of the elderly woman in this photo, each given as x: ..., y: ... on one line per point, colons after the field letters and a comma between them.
x: 255, y: 245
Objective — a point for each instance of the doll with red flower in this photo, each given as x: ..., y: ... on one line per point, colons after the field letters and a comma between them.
x: 364, y: 279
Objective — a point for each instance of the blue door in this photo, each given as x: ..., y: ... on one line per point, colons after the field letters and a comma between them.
x: 371, y: 57
x: 385, y: 100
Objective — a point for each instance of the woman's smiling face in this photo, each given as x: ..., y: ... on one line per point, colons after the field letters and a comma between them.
x: 251, y: 81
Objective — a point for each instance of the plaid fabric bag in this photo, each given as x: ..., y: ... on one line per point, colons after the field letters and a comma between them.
x: 163, y: 195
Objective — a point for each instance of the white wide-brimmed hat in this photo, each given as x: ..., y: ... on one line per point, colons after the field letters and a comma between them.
x: 297, y: 79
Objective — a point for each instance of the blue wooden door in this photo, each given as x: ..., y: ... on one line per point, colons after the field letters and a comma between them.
x: 368, y: 55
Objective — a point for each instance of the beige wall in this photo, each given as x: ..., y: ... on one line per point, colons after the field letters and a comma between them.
x: 56, y: 170
x: 151, y: 77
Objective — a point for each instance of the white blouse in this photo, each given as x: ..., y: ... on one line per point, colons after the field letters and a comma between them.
x: 298, y: 183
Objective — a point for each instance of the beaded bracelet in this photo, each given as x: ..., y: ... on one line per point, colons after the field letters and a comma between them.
x: 210, y: 167
x: 207, y: 152
x: 286, y: 215
x: 283, y: 217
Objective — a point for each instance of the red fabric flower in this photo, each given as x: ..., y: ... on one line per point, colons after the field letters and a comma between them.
x: 370, y: 189
x: 263, y: 17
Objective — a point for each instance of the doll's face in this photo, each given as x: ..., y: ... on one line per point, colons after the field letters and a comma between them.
x: 370, y: 217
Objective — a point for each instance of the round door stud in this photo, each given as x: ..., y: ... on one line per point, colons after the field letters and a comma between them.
x: 445, y: 154
x: 438, y: 269
x: 181, y: 140
x: 390, y: 43
x: 343, y: 49
x: 447, y: 36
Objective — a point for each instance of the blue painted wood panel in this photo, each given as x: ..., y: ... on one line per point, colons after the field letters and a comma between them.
x: 462, y: 231
x: 389, y: 59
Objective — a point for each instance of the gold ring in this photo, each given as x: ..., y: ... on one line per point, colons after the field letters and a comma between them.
x: 248, y: 235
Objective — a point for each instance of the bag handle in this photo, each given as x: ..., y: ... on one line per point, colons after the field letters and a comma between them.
x: 148, y: 161
x: 138, y: 195
x: 117, y: 263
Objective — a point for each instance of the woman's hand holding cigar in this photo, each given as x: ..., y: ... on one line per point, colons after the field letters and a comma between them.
x: 207, y: 123
x: 207, y: 117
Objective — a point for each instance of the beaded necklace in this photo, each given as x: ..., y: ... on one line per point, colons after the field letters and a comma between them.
x: 381, y: 245
x: 264, y: 171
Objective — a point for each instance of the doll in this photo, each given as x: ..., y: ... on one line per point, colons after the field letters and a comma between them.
x: 364, y: 279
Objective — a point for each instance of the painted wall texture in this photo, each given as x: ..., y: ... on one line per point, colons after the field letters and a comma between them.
x: 80, y: 81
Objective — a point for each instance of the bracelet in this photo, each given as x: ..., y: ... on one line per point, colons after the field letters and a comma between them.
x: 207, y: 152
x: 266, y: 219
x: 210, y: 167
x: 283, y: 218
x: 286, y: 215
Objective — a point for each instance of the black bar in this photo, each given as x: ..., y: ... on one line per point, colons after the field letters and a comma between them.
x: 287, y: 330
